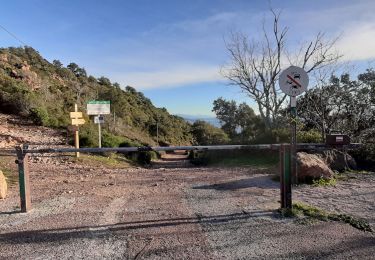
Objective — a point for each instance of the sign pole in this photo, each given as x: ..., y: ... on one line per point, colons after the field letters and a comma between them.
x: 157, y: 131
x: 99, y: 108
x: 285, y: 177
x: 76, y: 135
x: 100, y: 134
x: 293, y: 146
x: 293, y: 81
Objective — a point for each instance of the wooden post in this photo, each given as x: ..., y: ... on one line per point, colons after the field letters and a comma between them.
x: 76, y: 134
x: 24, y: 178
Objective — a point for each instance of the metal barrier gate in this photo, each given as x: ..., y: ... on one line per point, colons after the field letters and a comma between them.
x: 285, y: 162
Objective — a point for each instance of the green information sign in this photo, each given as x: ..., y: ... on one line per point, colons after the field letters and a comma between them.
x: 98, y: 107
x: 98, y: 102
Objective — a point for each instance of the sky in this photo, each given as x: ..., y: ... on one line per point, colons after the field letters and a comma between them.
x: 173, y: 50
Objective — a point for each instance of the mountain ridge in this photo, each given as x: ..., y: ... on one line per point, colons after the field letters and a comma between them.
x: 46, y: 92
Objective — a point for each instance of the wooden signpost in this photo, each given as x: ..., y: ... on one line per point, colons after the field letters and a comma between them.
x: 76, y: 121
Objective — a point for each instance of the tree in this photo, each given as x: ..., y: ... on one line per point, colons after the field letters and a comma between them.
x: 341, y: 105
x: 248, y: 122
x: 57, y: 64
x: 79, y: 72
x: 368, y: 79
x: 104, y: 81
x: 206, y: 134
x: 130, y: 89
x: 239, y: 122
x: 255, y: 66
x: 116, y: 85
x: 92, y: 79
x: 226, y: 112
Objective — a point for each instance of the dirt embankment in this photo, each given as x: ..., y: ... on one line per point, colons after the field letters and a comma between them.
x: 15, y: 130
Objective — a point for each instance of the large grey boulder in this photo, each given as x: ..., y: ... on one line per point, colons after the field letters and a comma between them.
x: 3, y: 186
x: 339, y: 160
x: 312, y: 166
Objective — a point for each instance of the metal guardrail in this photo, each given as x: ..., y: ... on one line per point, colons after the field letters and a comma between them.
x: 24, y: 151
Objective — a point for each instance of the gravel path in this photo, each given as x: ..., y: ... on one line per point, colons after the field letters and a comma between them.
x: 354, y: 196
x: 190, y: 213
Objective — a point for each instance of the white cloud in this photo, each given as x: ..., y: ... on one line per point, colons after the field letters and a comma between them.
x: 171, y: 55
x: 357, y: 42
x: 353, y: 22
x: 166, y: 55
x: 170, y: 77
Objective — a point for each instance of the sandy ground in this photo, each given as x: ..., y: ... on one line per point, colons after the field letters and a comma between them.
x: 82, y: 212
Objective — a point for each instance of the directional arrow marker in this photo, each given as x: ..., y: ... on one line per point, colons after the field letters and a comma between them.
x: 78, y: 121
x: 76, y: 115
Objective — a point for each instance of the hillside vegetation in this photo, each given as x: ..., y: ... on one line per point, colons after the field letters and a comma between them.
x: 46, y: 92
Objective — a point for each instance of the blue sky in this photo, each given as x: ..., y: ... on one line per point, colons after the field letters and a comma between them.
x: 173, y: 50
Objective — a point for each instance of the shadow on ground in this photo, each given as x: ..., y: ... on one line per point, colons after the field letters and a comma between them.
x: 264, y: 182
x: 101, y: 231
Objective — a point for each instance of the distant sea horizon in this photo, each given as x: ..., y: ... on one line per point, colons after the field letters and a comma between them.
x: 207, y: 118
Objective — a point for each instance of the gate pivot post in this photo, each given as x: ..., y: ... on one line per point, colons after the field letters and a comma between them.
x: 23, y: 178
x: 285, y: 177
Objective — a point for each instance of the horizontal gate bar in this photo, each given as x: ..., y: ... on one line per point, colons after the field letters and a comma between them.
x: 301, y: 146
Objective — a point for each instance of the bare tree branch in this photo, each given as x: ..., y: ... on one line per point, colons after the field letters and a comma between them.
x: 255, y: 66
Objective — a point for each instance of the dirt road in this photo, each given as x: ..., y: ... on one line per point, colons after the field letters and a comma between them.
x: 85, y: 212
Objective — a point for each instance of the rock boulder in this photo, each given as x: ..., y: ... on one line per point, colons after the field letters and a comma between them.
x: 3, y: 186
x: 339, y: 160
x: 312, y: 166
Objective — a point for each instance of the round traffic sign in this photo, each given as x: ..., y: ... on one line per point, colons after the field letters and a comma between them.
x: 293, y: 81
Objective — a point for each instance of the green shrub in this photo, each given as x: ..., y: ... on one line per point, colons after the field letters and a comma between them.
x: 88, y: 136
x: 233, y: 158
x: 199, y: 158
x: 324, y: 182
x: 365, y: 156
x: 279, y: 135
x: 111, y: 140
x: 311, y: 136
x: 302, y: 209
x: 129, y: 143
x: 282, y: 135
x: 39, y: 116
x: 143, y: 158
x: 53, y: 122
x: 207, y: 134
